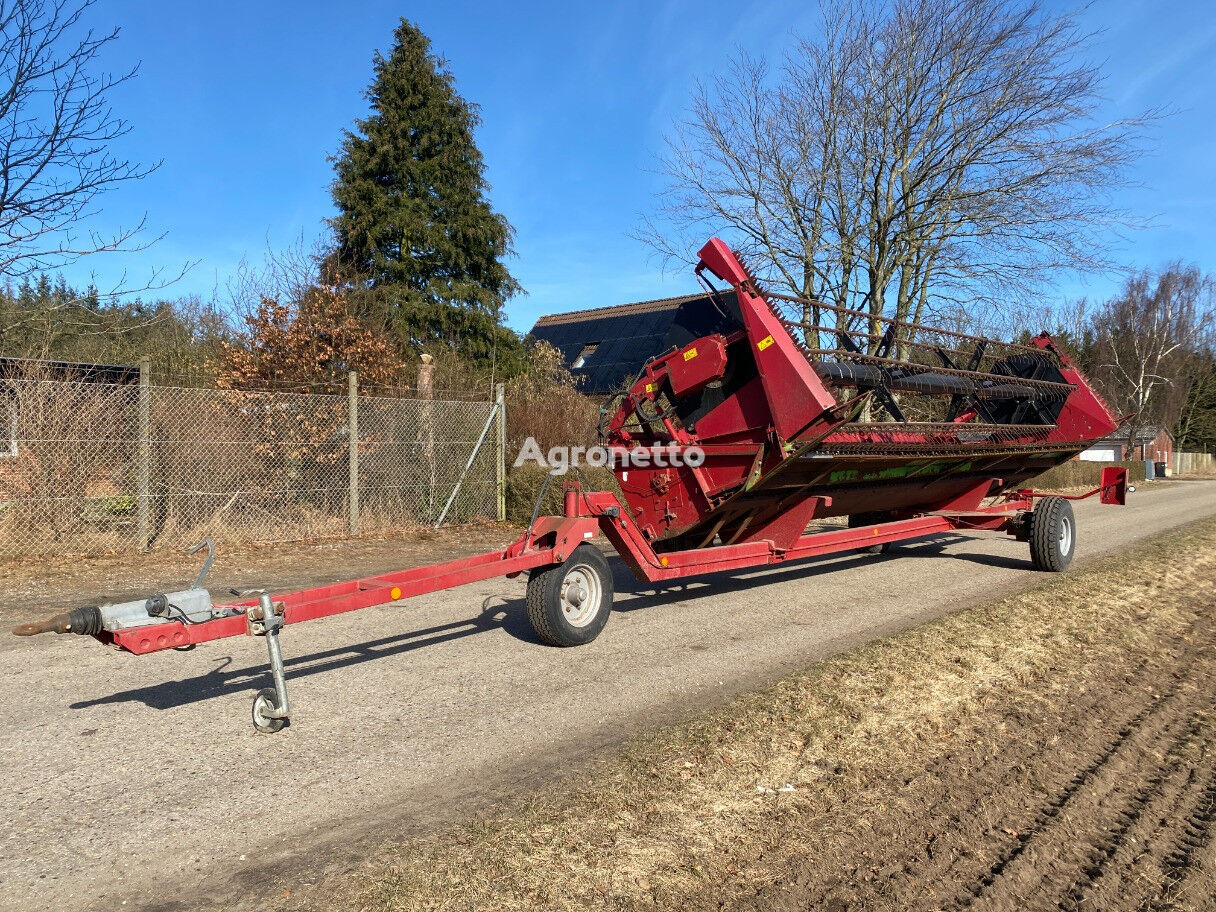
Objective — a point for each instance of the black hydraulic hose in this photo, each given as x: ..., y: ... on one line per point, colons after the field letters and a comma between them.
x: 540, y: 498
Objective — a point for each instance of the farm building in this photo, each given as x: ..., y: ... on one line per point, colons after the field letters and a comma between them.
x: 1153, y: 444
x: 74, y: 371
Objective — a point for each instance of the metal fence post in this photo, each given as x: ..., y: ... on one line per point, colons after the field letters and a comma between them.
x: 143, y: 501
x: 426, y: 430
x: 468, y: 465
x: 352, y: 399
x: 500, y: 464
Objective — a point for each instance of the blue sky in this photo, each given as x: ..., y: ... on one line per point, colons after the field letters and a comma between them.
x: 244, y: 101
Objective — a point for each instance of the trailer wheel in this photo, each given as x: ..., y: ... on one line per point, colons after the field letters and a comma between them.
x: 856, y: 520
x: 263, y: 703
x: 568, y: 603
x: 1053, y: 534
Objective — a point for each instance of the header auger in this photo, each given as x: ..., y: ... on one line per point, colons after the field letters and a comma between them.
x: 801, y: 410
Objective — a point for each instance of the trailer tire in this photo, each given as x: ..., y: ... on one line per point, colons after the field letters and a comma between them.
x: 1053, y: 534
x: 264, y: 701
x: 856, y: 520
x: 569, y: 603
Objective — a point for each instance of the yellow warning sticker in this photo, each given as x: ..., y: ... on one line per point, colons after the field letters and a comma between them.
x: 764, y: 343
x: 690, y: 354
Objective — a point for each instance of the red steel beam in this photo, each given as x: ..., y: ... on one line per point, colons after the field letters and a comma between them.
x: 586, y: 512
x: 636, y: 551
x: 336, y: 598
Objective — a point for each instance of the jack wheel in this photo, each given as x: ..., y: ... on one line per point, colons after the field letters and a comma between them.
x: 263, y: 704
x: 569, y: 603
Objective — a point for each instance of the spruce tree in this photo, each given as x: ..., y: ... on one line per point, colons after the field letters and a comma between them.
x: 414, y: 229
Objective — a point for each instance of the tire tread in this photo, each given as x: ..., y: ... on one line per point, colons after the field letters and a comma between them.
x: 538, y: 583
x: 1044, y: 534
x: 543, y: 591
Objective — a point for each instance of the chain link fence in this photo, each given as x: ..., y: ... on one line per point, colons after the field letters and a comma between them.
x: 94, y: 467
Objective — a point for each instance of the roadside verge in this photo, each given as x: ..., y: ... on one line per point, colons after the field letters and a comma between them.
x: 1060, y: 739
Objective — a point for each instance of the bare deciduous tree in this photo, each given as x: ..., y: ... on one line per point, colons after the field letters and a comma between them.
x: 1197, y: 421
x: 56, y: 131
x: 285, y: 274
x: 1148, y: 338
x: 915, y: 152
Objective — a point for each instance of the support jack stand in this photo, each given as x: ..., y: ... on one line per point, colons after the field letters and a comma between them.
x: 271, y: 709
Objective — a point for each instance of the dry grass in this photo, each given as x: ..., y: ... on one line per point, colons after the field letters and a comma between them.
x: 717, y: 802
x: 545, y: 403
x: 1081, y: 474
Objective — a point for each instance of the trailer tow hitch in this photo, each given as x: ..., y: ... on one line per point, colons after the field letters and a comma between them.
x: 187, y: 606
x: 271, y: 708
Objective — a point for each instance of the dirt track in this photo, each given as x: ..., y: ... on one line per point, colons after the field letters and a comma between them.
x: 113, y: 764
x: 1051, y: 749
x: 1104, y: 798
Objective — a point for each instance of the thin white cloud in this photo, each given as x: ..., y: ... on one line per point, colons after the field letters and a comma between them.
x: 1183, y: 54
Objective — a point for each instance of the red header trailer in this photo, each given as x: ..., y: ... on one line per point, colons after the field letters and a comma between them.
x: 725, y: 450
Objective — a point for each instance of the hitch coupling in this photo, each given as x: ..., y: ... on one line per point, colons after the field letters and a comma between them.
x: 85, y: 621
x: 188, y: 606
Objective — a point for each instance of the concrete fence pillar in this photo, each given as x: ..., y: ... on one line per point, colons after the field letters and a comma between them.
x: 500, y: 464
x: 352, y: 410
x: 426, y: 430
x: 143, y: 494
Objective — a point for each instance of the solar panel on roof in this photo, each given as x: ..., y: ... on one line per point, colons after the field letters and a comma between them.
x: 627, y: 338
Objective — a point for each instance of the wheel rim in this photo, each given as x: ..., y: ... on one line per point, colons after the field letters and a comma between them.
x: 1065, y: 536
x: 581, y: 595
x: 262, y: 706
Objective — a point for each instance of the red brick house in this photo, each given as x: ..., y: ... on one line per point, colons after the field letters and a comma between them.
x: 1155, y: 444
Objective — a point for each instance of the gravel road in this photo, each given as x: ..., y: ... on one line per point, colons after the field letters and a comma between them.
x: 138, y: 782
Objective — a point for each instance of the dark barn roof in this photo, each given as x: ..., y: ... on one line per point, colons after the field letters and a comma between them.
x: 607, y: 345
x: 1143, y: 436
x: 34, y: 368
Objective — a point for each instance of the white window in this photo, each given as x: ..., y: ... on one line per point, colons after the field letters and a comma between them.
x: 588, y: 349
